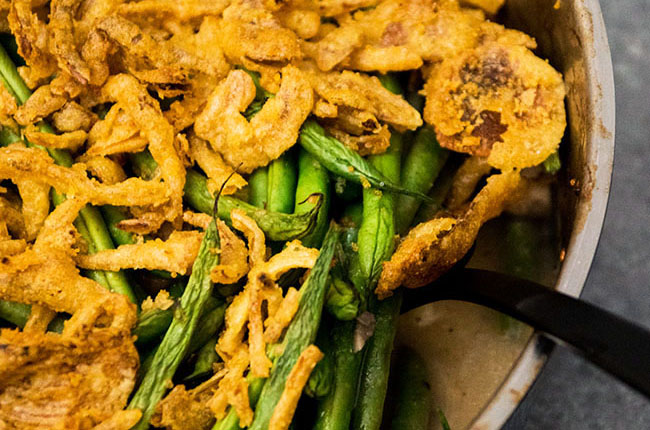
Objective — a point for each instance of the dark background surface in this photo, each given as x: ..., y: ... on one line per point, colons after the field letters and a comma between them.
x: 571, y: 394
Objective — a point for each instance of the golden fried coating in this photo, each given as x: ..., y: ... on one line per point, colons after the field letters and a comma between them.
x: 166, y: 9
x: 286, y: 406
x: 260, y: 36
x: 12, y: 219
x: 61, y: 26
x: 35, y: 206
x: 431, y: 248
x: 22, y: 163
x: 465, y: 181
x: 489, y: 6
x: 105, y: 169
x: 71, y: 140
x: 146, y: 114
x: 185, y: 409
x: 47, y: 99
x: 364, y: 93
x: 281, y: 318
x: 330, y: 8
x: 247, y: 145
x: 398, y: 35
x: 32, y: 39
x: 72, y: 116
x: 498, y: 101
x: 51, y: 381
x: 233, y: 264
x: 159, y: 57
x: 175, y: 255
x: 218, y: 172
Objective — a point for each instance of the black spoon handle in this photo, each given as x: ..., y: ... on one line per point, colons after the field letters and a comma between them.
x: 616, y: 345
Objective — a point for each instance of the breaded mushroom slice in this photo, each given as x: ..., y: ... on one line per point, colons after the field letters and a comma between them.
x: 498, y: 101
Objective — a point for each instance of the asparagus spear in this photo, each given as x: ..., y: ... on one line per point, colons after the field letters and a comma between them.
x: 176, y: 342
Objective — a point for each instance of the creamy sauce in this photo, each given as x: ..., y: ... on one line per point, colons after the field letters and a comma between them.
x: 469, y: 351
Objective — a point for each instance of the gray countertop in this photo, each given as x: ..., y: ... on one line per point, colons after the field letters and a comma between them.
x: 571, y: 393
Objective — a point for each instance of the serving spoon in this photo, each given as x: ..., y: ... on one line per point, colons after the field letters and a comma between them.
x: 619, y: 347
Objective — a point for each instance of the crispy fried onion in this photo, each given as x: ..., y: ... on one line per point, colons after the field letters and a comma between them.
x: 12, y: 219
x: 260, y: 36
x: 18, y: 162
x: 47, y: 99
x: 35, y: 198
x: 465, y: 181
x: 364, y: 93
x: 489, y: 6
x: 397, y: 35
x: 115, y: 134
x: 176, y: 255
x: 431, y: 248
x: 247, y: 308
x: 183, y: 11
x: 248, y: 145
x: 211, y: 162
x: 7, y: 103
x: 64, y: 48
x: 187, y: 410
x: 67, y: 380
x: 286, y: 406
x: 158, y: 57
x: 233, y: 262
x: 105, y: 169
x: 146, y: 114
x: 32, y: 39
x: 72, y: 140
x: 73, y: 116
x: 51, y: 381
x: 39, y: 318
x: 498, y: 101
x: 330, y: 8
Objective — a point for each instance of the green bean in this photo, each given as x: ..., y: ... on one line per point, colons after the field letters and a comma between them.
x: 390, y: 82
x: 257, y: 184
x: 276, y: 226
x: 205, y: 358
x: 422, y: 165
x: 281, y: 184
x: 231, y: 421
x: 438, y: 193
x: 320, y: 381
x: 15, y: 313
x: 144, y: 165
x: 443, y: 420
x: 348, y: 191
x: 334, y: 411
x: 312, y: 179
x: 8, y: 136
x: 96, y: 275
x: 152, y: 324
x: 413, y: 393
x: 176, y: 342
x: 342, y: 301
x: 301, y: 331
x: 114, y: 215
x: 376, y: 243
x: 373, y: 383
x: 344, y: 162
x: 211, y: 321
x: 376, y: 239
x: 352, y: 215
x: 553, y: 164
